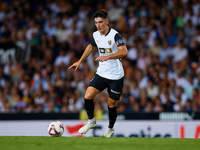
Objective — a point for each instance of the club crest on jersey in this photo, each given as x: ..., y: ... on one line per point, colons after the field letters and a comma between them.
x: 109, y: 42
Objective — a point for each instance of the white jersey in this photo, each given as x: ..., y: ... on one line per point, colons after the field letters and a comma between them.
x: 107, y: 45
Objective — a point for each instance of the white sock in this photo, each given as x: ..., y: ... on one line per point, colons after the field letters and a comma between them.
x: 91, y: 120
x: 111, y: 129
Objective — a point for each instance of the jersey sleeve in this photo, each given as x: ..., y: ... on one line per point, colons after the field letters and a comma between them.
x: 118, y: 40
x: 93, y: 42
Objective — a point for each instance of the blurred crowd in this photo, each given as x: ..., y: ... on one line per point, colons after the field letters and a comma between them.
x: 162, y: 69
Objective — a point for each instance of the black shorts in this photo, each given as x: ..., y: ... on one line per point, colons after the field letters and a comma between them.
x: 114, y: 87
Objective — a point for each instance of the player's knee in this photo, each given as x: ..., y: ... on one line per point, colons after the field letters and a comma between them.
x: 89, y: 96
x: 112, y: 104
x: 91, y: 93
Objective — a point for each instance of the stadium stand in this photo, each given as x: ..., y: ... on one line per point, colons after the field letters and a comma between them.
x: 40, y: 39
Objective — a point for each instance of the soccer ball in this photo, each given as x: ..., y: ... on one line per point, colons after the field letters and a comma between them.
x: 55, y: 128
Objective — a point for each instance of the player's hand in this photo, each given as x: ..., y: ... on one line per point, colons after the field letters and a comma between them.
x: 102, y: 58
x: 74, y: 66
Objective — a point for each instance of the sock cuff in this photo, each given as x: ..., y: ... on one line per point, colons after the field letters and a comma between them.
x: 112, y: 108
x: 88, y: 101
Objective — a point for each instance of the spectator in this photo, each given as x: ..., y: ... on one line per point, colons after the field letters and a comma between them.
x: 20, y: 104
x: 178, y: 107
x: 4, y: 105
x: 195, y: 37
x: 61, y: 33
x: 50, y: 28
x: 191, y: 86
x: 179, y: 52
x: 163, y: 92
x: 157, y: 105
x: 181, y: 80
x: 135, y: 89
x: 39, y: 99
x: 170, y: 37
x: 51, y: 108
x: 114, y: 13
x: 149, y: 107
x: 136, y: 107
x: 155, y: 49
x: 168, y: 106
x: 194, y: 53
x: 189, y: 30
x: 141, y: 79
x: 151, y: 35
x: 132, y: 19
x: 8, y: 68
x: 2, y: 78
x: 132, y: 54
x: 195, y: 95
x: 79, y: 101
x: 142, y: 60
x: 126, y: 94
x: 183, y: 96
x: 121, y: 107
x: 32, y: 30
x: 188, y: 106
x: 152, y: 89
x: 132, y: 101
x: 180, y: 18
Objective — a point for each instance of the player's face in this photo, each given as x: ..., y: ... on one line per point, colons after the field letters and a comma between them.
x: 101, y: 24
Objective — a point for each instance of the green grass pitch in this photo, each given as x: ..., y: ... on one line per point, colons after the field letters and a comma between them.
x: 95, y: 143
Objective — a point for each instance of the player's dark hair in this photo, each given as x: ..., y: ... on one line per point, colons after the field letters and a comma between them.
x: 101, y: 13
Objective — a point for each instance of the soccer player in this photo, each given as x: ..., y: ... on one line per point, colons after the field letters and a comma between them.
x: 109, y: 74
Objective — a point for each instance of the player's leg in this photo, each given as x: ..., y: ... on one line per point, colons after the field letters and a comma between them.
x: 96, y: 85
x: 112, y: 113
x: 112, y: 105
x: 115, y: 91
x: 91, y: 92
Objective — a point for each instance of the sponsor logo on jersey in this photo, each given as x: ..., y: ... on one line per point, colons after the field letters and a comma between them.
x: 109, y: 42
x: 105, y: 50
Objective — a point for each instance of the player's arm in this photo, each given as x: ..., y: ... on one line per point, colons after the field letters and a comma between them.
x: 121, y: 47
x: 121, y: 53
x: 86, y: 53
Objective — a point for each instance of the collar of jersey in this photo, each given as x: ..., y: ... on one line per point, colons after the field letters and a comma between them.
x: 107, y: 32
